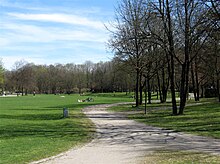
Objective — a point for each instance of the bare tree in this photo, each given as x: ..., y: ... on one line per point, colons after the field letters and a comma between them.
x: 127, y: 40
x: 163, y: 35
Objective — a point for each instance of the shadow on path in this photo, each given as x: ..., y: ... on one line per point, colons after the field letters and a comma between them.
x: 116, y: 129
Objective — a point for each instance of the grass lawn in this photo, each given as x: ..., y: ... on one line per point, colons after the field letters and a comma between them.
x: 32, y: 128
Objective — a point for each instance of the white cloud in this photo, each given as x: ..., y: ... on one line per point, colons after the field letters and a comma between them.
x: 60, y: 18
x: 20, y: 33
x: 4, y: 42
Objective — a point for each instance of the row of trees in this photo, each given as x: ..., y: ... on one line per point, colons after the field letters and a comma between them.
x: 175, y: 41
x: 101, y: 77
x: 70, y: 78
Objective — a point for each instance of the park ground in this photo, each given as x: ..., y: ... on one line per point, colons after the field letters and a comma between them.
x: 33, y: 127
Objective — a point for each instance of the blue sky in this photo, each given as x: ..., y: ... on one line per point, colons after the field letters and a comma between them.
x: 55, y: 31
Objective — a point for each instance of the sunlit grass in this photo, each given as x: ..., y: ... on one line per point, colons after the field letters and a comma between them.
x: 32, y: 128
x: 180, y: 157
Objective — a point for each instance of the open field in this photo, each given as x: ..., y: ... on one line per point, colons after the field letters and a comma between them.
x: 33, y: 128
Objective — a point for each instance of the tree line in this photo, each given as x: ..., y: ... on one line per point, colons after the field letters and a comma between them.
x: 70, y: 78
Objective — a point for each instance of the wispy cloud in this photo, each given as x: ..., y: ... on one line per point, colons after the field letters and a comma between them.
x: 60, y: 18
x: 4, y: 42
x: 31, y: 33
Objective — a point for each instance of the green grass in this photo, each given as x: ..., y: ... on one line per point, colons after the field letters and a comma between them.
x: 200, y: 119
x: 32, y: 128
x: 180, y: 157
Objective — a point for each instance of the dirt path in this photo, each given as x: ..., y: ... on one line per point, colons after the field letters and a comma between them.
x: 120, y: 140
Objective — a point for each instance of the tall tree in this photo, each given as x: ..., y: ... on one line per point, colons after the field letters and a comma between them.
x: 161, y: 11
x: 127, y: 40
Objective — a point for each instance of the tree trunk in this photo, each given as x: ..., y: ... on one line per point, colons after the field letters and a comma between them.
x: 149, y: 90
x: 197, y: 81
x: 184, y: 86
x: 171, y: 54
x: 164, y: 87
x: 202, y: 91
x: 22, y: 90
x: 141, y: 91
x: 137, y: 88
x: 172, y: 86
x: 193, y: 80
x: 159, y: 87
x: 141, y: 95
x: 186, y: 64
x: 145, y: 93
x: 218, y: 89
x: 182, y: 89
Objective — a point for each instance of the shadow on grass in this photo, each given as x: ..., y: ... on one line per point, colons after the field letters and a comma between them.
x: 46, y: 122
x: 66, y: 128
x: 46, y: 113
x: 36, y: 117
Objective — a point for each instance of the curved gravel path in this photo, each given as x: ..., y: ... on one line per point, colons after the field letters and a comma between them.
x: 120, y: 141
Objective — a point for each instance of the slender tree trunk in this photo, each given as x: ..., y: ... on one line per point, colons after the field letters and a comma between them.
x: 217, y: 68
x: 137, y: 87
x: 141, y: 95
x: 197, y: 81
x: 140, y: 89
x: 149, y: 90
x: 171, y: 54
x: 164, y: 87
x: 182, y: 89
x: 172, y: 84
x: 159, y: 87
x: 218, y: 89
x: 22, y: 89
x: 184, y: 86
x: 145, y: 93
x: 202, y: 91
x: 186, y: 64
x: 193, y: 81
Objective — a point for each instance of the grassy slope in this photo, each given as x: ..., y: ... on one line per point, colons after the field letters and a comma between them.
x: 32, y: 128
